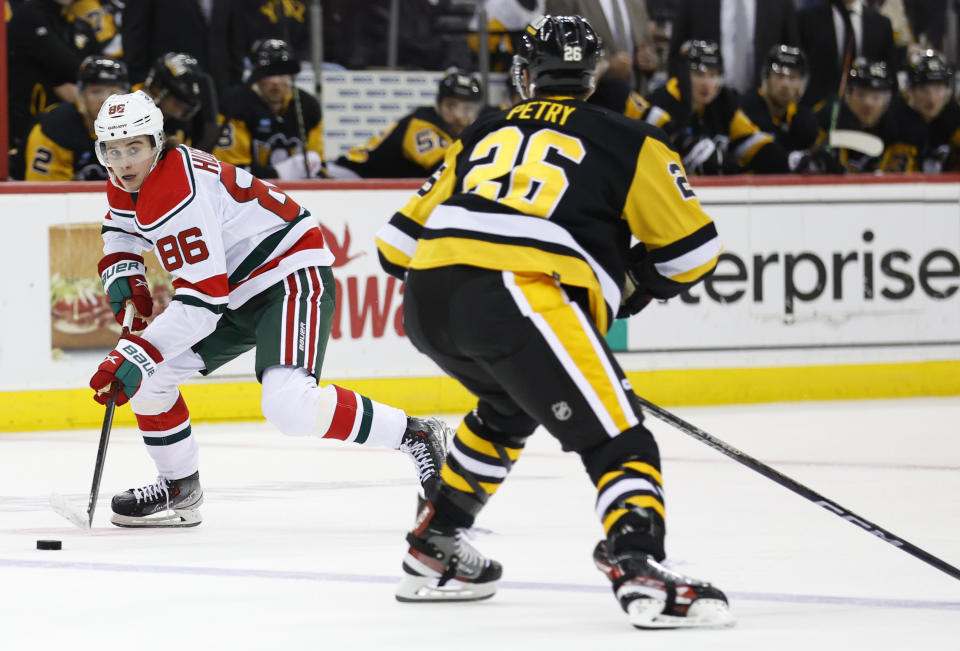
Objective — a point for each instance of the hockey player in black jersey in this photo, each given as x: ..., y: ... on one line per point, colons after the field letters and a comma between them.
x: 270, y: 127
x: 185, y: 94
x: 516, y: 255
x: 774, y: 107
x: 930, y: 96
x: 414, y: 145
x: 869, y: 105
x: 60, y: 146
x: 705, y: 122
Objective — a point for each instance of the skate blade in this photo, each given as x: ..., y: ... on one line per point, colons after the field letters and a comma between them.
x: 175, y: 518
x: 424, y: 588
x: 703, y: 613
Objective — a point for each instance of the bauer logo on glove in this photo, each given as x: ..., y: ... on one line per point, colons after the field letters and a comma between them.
x: 132, y: 359
x: 124, y: 279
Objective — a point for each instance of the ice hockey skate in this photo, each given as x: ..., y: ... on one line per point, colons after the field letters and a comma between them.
x: 164, y: 503
x: 425, y: 441
x: 441, y: 565
x: 655, y: 597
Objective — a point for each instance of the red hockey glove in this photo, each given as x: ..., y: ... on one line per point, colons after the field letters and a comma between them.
x: 124, y: 279
x: 132, y: 359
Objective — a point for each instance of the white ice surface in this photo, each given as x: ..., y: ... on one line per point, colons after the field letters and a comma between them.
x: 301, y: 542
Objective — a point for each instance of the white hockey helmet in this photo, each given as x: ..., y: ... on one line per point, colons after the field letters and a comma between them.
x: 125, y: 116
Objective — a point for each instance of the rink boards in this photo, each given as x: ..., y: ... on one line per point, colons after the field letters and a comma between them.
x: 826, y: 289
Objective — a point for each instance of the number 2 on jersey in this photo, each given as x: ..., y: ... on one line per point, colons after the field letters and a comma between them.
x: 517, y: 171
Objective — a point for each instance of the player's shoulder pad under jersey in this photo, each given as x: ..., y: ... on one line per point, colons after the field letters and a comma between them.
x: 169, y: 188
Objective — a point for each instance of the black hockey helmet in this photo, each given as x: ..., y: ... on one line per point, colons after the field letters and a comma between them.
x: 101, y: 70
x: 560, y: 54
x: 270, y: 57
x: 702, y: 55
x: 928, y: 67
x: 784, y: 59
x: 460, y: 85
x: 869, y: 74
x: 175, y: 74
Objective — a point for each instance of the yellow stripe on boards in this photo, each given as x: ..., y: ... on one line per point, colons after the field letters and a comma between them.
x: 210, y: 401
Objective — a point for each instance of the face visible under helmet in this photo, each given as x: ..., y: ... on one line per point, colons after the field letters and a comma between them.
x: 559, y: 54
x: 126, y: 116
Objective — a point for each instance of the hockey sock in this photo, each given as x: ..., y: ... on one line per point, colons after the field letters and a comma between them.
x: 349, y: 416
x: 479, y: 460
x: 630, y: 505
x: 169, y: 440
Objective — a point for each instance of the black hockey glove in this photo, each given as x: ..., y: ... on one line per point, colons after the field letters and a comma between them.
x: 635, y: 295
x: 815, y: 161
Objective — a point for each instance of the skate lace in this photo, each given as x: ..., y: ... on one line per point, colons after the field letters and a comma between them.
x: 467, y: 553
x: 420, y: 453
x: 152, y: 492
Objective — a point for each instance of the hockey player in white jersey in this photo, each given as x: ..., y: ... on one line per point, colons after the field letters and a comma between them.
x: 250, y: 269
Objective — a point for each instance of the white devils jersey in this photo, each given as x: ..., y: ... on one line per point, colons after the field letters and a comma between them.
x: 223, y: 234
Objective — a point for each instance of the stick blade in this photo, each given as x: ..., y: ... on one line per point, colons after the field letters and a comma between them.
x: 59, y: 505
x: 861, y: 141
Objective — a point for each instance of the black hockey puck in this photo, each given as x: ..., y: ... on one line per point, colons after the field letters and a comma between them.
x: 49, y: 544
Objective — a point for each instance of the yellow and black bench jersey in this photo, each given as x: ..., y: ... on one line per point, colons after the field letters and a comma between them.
x: 254, y: 138
x: 902, y: 130
x: 410, y: 148
x: 942, y: 153
x: 59, y: 148
x: 798, y: 129
x: 557, y: 186
x: 752, y: 148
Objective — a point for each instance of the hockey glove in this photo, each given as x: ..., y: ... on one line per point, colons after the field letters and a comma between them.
x: 635, y: 295
x: 132, y: 359
x: 124, y: 279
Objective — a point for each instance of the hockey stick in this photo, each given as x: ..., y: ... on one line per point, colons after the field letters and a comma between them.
x: 860, y: 141
x: 297, y: 106
x: 847, y: 62
x: 57, y: 502
x: 796, y: 487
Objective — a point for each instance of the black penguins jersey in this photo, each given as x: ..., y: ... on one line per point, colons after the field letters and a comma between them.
x: 722, y: 120
x: 942, y: 153
x: 797, y: 130
x: 901, y: 129
x: 558, y: 187
x: 410, y: 148
x: 60, y: 148
x: 254, y: 138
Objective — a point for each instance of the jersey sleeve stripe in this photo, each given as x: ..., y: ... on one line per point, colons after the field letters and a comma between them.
x: 398, y: 240
x: 198, y: 302
x: 700, y: 236
x: 680, y: 265
x: 110, y: 229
